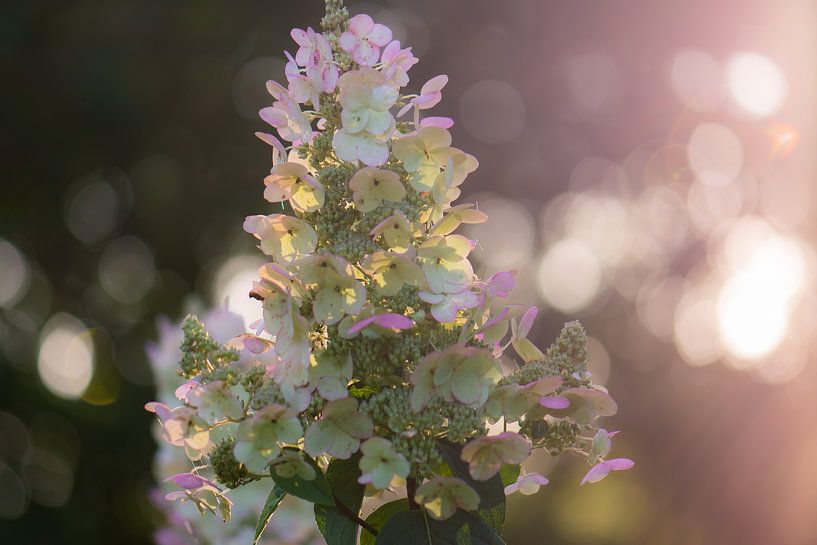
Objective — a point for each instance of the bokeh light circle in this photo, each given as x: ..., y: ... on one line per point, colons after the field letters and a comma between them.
x: 715, y: 153
x: 232, y: 283
x: 569, y: 276
x: 66, y: 356
x: 492, y: 111
x: 495, y: 249
x: 15, y: 275
x: 756, y: 83
x: 697, y: 80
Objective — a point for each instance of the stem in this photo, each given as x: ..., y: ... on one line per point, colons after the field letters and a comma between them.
x: 411, y: 491
x: 353, y: 516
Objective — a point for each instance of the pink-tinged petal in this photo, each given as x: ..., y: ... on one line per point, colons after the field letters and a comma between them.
x: 300, y: 36
x: 365, y: 54
x: 159, y: 409
x: 436, y: 121
x: 348, y: 41
x: 612, y: 434
x: 554, y: 402
x: 427, y: 100
x: 278, y: 91
x: 620, y: 464
x: 434, y: 85
x: 387, y: 320
x: 432, y: 298
x: 404, y: 110
x: 391, y: 51
x: 380, y: 35
x: 361, y: 24
x: 500, y: 284
x: 371, y: 153
x: 188, y: 481
x: 252, y: 223
x: 496, y: 319
x: 444, y: 313
x: 602, y: 469
x: 526, y: 322
x: 273, y: 116
x: 536, y: 478
x: 182, y: 391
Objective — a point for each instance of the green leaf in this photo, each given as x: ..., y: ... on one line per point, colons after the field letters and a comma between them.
x: 509, y: 473
x: 317, y: 490
x: 417, y: 528
x: 380, y: 516
x: 491, y: 492
x: 336, y: 527
x: 276, y: 495
x: 362, y: 392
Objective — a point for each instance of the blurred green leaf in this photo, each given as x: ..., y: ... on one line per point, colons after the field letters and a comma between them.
x: 380, y: 516
x: 417, y: 528
x: 276, y: 495
x: 337, y: 528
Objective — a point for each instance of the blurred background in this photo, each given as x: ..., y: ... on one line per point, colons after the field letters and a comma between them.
x: 648, y: 167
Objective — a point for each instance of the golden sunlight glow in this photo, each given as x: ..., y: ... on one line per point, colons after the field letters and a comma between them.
x: 570, y: 275
x: 755, y: 303
x: 232, y: 284
x: 756, y: 84
x: 66, y: 358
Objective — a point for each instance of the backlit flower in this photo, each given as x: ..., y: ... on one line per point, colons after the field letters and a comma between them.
x: 339, y: 431
x: 380, y: 463
x: 390, y: 271
x: 291, y: 464
x: 337, y: 291
x: 445, y: 263
x: 602, y: 469
x: 182, y: 426
x: 364, y: 38
x: 459, y: 373
x: 396, y: 64
x: 442, y: 496
x: 445, y: 307
x: 214, y: 401
x: 520, y: 342
x: 285, y: 115
x: 330, y: 375
x: 527, y: 484
x: 292, y: 182
x: 371, y: 187
x: 396, y: 230
x: 430, y: 95
x: 261, y: 437
x: 487, y: 454
x: 283, y: 237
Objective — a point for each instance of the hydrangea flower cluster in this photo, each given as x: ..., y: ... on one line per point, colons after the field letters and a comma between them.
x: 382, y: 361
x: 183, y: 524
